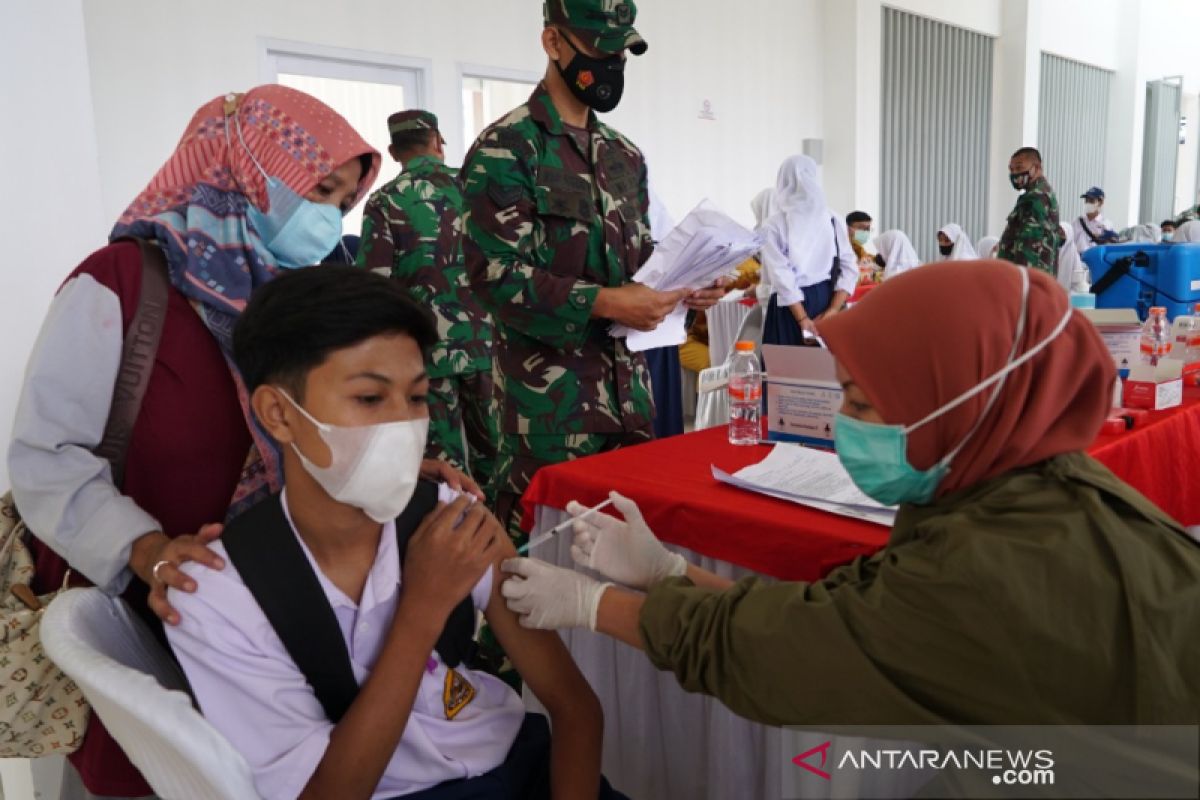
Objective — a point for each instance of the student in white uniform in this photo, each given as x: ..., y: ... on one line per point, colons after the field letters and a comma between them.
x: 954, y: 244
x: 896, y: 253
x: 806, y: 255
x: 1092, y: 228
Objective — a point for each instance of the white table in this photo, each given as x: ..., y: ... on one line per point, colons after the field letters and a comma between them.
x: 662, y: 743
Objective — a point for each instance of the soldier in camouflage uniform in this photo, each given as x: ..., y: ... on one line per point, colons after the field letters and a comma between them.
x: 556, y: 224
x: 1033, y: 235
x: 412, y: 231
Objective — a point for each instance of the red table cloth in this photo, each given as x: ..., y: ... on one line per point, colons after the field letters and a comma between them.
x: 684, y: 505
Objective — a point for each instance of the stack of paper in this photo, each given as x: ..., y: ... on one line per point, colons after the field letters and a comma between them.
x: 705, y: 246
x: 809, y: 477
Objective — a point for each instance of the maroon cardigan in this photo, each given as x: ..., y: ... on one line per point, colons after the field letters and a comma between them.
x: 186, y: 454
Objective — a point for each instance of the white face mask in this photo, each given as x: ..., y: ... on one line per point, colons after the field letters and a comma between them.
x: 373, y: 467
x: 1091, y: 208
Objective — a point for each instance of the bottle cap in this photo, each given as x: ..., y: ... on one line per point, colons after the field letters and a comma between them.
x: 745, y: 347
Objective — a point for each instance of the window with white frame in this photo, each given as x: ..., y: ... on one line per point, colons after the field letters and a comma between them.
x: 365, y: 88
x: 488, y: 95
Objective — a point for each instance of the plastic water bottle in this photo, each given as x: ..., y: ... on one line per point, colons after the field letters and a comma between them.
x: 1156, y: 336
x: 745, y: 395
x: 1186, y: 332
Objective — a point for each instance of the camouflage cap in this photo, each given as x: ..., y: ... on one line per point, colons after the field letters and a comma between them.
x: 412, y: 120
x: 606, y: 25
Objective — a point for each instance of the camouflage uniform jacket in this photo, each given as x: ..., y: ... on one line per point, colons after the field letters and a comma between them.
x: 554, y: 213
x: 412, y: 231
x: 1033, y: 235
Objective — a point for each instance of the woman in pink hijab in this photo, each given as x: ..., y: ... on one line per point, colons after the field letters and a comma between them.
x: 1023, y: 583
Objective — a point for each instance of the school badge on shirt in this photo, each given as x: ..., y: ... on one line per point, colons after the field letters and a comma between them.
x: 457, y: 693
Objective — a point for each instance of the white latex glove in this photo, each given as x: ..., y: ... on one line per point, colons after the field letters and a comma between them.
x: 627, y: 552
x: 549, y: 597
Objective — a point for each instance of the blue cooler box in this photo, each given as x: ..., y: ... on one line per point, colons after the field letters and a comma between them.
x: 1141, y: 275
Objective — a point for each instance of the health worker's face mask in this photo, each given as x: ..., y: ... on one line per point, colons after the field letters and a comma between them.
x: 876, y: 455
x: 862, y: 237
x: 1091, y: 208
x: 373, y: 467
x: 596, y: 82
x: 296, y: 231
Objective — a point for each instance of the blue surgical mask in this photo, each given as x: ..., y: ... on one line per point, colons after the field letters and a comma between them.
x: 1166, y: 237
x: 876, y: 455
x: 296, y: 231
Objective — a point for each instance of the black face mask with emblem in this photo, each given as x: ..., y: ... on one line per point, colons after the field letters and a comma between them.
x: 597, y: 82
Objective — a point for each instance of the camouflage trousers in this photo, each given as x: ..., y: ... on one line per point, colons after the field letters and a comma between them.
x: 463, y: 425
x: 522, y: 455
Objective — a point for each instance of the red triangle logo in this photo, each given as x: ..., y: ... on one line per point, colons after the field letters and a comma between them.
x: 802, y: 759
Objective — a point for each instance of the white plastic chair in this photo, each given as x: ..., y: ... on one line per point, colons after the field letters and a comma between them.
x: 134, y: 686
x: 712, y: 400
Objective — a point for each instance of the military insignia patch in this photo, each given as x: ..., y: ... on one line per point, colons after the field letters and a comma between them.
x: 457, y: 694
x: 504, y: 196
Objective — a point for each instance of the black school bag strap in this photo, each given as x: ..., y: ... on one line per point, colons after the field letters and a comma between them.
x: 457, y: 641
x: 266, y: 554
x: 273, y: 566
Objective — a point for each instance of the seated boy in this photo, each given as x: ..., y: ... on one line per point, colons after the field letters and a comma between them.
x: 331, y: 653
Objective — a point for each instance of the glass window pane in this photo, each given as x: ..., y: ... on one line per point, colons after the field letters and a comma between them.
x: 487, y: 99
x: 366, y: 106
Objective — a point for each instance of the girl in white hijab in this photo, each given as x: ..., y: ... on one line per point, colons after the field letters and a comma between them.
x: 806, y: 255
x: 956, y: 245
x: 1072, y: 272
x: 896, y: 252
x: 1188, y: 232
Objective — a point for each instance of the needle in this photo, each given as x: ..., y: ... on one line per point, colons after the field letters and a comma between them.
x: 534, y: 542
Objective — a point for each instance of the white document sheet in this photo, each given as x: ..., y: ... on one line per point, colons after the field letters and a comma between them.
x: 705, y: 246
x: 809, y: 477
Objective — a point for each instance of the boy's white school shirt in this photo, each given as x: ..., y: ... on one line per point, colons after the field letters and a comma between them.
x: 251, y: 691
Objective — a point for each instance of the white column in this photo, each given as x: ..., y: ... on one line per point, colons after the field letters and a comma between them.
x: 853, y: 38
x: 1126, y: 123
x: 1016, y: 88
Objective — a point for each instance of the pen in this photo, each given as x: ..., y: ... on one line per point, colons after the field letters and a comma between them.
x: 534, y: 542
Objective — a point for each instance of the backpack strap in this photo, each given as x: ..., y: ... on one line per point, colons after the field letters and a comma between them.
x: 1088, y: 230
x: 456, y: 643
x: 137, y: 359
x: 265, y: 552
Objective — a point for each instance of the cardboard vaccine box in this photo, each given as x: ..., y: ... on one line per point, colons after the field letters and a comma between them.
x: 1184, y: 337
x: 1121, y: 331
x: 1155, y: 387
x: 803, y: 394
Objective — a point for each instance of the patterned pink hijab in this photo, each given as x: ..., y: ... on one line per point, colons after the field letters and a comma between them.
x: 195, y: 208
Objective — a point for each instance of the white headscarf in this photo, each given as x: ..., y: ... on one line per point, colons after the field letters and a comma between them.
x: 963, y: 251
x: 1147, y: 232
x: 898, y: 253
x: 802, y: 219
x: 763, y: 206
x: 1188, y: 232
x: 985, y: 246
x: 1072, y: 272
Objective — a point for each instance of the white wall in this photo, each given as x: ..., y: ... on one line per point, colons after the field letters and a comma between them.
x: 1091, y: 31
x: 747, y: 72
x: 51, y: 209
x: 760, y: 78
